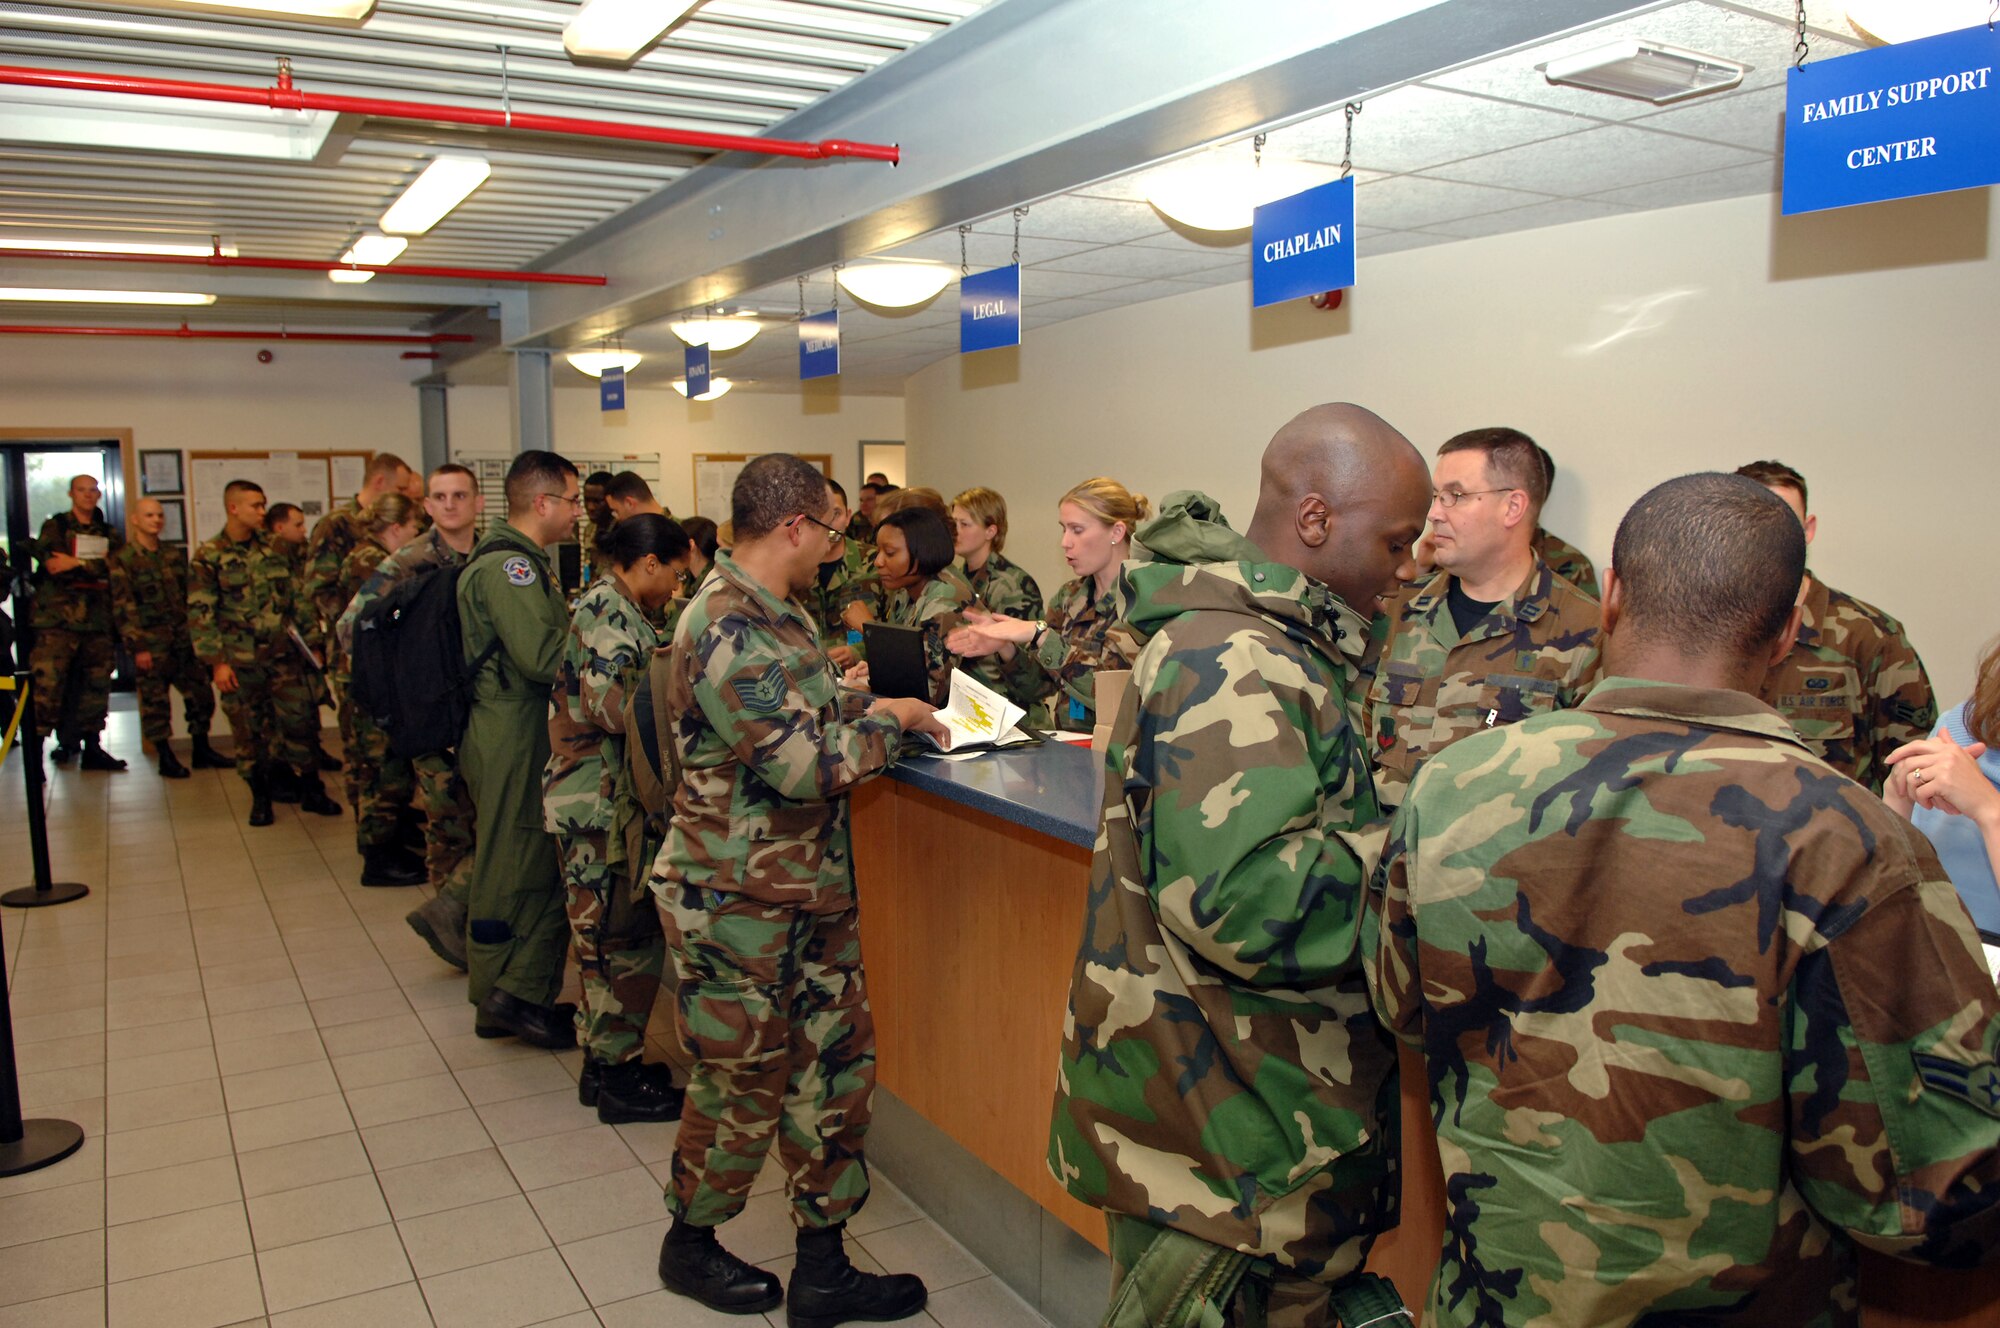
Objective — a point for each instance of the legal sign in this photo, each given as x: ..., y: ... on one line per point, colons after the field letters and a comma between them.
x: 1919, y: 117
x: 819, y: 345
x: 989, y: 309
x: 1303, y: 245
x: 696, y: 362
x: 611, y: 389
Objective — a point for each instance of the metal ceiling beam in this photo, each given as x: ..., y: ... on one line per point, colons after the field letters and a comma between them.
x: 1021, y: 101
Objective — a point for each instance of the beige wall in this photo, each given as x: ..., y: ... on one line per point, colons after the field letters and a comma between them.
x: 1857, y: 346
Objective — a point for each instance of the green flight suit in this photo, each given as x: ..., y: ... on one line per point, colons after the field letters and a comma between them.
x: 508, y: 599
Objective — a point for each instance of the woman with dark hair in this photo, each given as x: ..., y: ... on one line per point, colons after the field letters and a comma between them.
x: 382, y: 786
x: 913, y: 556
x: 1949, y: 786
x: 702, y: 531
x: 599, y: 827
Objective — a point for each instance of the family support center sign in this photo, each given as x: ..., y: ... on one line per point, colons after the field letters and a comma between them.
x: 1920, y: 117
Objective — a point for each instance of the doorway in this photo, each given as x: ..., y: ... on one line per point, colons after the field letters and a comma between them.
x: 883, y: 458
x: 34, y: 485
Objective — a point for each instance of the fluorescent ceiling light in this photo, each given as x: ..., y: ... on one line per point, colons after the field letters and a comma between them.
x: 717, y: 387
x: 620, y: 29
x: 1219, y: 193
x: 116, y: 246
x: 1887, y: 22
x: 348, y: 276
x: 595, y: 362
x: 717, y: 333
x: 319, y: 11
x: 67, y: 117
x: 375, y: 249
x: 43, y: 296
x: 895, y: 285
x: 444, y: 184
x: 1645, y: 71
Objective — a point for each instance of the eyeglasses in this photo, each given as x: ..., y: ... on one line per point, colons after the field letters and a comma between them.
x: 833, y: 533
x: 562, y: 498
x: 1453, y: 497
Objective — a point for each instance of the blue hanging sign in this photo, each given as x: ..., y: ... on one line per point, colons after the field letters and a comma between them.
x: 696, y: 361
x: 819, y: 345
x: 1303, y: 245
x: 611, y: 389
x: 1920, y: 117
x: 989, y: 309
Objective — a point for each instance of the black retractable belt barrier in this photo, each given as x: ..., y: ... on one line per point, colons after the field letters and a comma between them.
x: 29, y: 1145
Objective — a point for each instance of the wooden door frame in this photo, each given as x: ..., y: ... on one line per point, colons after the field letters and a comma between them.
x: 128, y: 457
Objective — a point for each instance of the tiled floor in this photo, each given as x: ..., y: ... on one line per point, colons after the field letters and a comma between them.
x: 290, y: 1121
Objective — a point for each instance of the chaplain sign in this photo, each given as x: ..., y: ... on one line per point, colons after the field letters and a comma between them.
x: 1303, y: 245
x: 1920, y: 117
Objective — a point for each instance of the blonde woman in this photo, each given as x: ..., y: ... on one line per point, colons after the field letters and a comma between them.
x: 1059, y: 656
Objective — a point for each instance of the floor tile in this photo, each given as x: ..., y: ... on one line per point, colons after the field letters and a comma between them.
x: 512, y: 1293
x: 387, y: 1065
x: 77, y: 1309
x: 163, y: 1070
x: 290, y: 1122
x: 261, y: 1023
x: 251, y: 972
x: 157, y: 1040
x: 620, y: 1264
x: 210, y: 1295
x: 254, y: 996
x: 405, y: 1100
x: 985, y: 1303
x: 163, y: 1106
x: 181, y: 1240
x: 267, y: 1053
x: 349, y: 982
x: 401, y: 1143
x: 462, y: 1237
x: 533, y: 1117
x: 400, y: 1306
x: 150, y: 1010
x: 660, y: 1307
x: 273, y: 1170
x: 556, y: 1158
x: 398, y: 1030
x: 887, y: 1207
x: 526, y: 1077
x: 174, y: 1189
x: 332, y: 1267
x: 46, y: 1214
x: 47, y: 1268
x: 86, y: 1163
x: 50, y: 1086
x: 273, y: 1087
x: 166, y: 1145
x: 63, y: 1054
x: 923, y: 1248
x: 652, y: 1142
x: 447, y: 1182
x: 337, y: 1010
x: 311, y: 1212
x: 599, y: 1204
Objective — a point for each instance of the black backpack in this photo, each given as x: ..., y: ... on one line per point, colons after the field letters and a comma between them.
x: 408, y: 664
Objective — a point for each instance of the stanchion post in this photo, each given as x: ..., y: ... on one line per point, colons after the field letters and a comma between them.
x: 45, y: 890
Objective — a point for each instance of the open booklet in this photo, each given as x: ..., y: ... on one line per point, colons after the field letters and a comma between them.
x: 978, y: 718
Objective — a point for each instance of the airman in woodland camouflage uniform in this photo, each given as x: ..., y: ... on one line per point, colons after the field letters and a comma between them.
x: 149, y: 608
x: 600, y: 828
x: 845, y: 579
x: 243, y: 601
x: 1080, y: 636
x: 334, y: 536
x: 756, y: 892
x: 1225, y: 1095
x: 1566, y: 561
x: 924, y: 589
x: 1852, y: 686
x: 1495, y: 635
x: 1699, y: 1013
x: 74, y: 647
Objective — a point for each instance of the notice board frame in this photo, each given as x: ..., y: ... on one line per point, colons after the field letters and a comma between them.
x: 737, y: 460
x: 324, y: 456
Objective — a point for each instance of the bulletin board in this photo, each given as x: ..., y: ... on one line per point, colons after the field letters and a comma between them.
x: 314, y: 481
x: 715, y: 478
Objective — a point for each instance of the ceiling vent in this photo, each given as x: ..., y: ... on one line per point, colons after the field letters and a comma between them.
x: 1645, y: 71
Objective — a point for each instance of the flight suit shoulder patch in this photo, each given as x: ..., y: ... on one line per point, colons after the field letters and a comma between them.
x: 519, y: 570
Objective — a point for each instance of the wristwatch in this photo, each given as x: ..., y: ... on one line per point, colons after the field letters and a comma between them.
x: 1041, y: 630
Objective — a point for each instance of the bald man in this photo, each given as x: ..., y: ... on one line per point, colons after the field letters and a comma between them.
x: 149, y: 612
x: 1222, y: 1075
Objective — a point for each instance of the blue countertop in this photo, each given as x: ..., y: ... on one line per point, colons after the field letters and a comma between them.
x: 1056, y: 789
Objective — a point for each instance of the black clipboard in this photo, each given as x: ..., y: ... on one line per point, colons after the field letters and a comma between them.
x: 896, y: 665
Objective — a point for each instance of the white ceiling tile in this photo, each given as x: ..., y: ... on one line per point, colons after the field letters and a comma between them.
x: 1754, y: 120
x: 982, y: 250
x: 1140, y: 292
x: 1758, y: 177
x: 1062, y: 285
x: 1415, y: 127
x: 1187, y: 240
x: 1071, y: 217
x: 1136, y: 263
x: 1610, y: 157
x: 1412, y: 202
x: 1555, y: 212
x: 1824, y: 18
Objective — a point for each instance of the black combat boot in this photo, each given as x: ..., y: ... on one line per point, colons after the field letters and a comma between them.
x: 390, y: 864
x: 590, y: 1081
x: 440, y: 920
x: 279, y: 779
x: 694, y: 1264
x: 826, y: 1289
x: 170, y: 766
x: 206, y: 757
x: 260, y: 796
x: 312, y: 795
x: 63, y: 753
x: 635, y: 1092
x: 96, y: 758
x: 503, y: 1014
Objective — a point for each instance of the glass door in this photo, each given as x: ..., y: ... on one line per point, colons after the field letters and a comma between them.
x: 34, y: 486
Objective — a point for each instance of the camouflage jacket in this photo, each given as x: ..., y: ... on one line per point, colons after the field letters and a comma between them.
x: 1536, y: 651
x: 355, y: 571
x: 1566, y: 561
x: 1852, y: 687
x: 610, y: 640
x: 243, y: 597
x: 149, y: 597
x: 851, y: 580
x: 769, y: 746
x: 78, y: 600
x: 1220, y: 1055
x: 334, y: 536
x: 1698, y: 1013
x: 426, y: 551
x: 937, y: 607
x: 1004, y: 587
x: 1084, y: 635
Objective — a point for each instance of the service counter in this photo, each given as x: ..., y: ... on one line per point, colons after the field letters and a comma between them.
x: 972, y: 877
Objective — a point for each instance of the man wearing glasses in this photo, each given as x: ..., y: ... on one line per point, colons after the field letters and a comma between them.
x: 846, y: 576
x: 1495, y: 635
x: 511, y: 612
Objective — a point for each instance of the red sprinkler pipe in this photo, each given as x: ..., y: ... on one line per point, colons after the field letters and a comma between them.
x: 285, y: 97
x: 232, y: 334
x: 307, y: 265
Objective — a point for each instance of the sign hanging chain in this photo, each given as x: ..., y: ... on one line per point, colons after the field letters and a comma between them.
x: 1019, y: 213
x: 836, y: 285
x: 1799, y: 37
x: 964, y: 266
x: 1257, y: 152
x: 1347, y: 153
x: 802, y: 297
x: 506, y: 92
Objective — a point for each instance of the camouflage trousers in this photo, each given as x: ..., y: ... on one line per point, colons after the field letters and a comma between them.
x: 380, y: 782
x: 447, y: 807
x: 174, y: 669
x: 619, y: 951
x: 72, y: 682
x: 772, y: 1006
x: 272, y: 715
